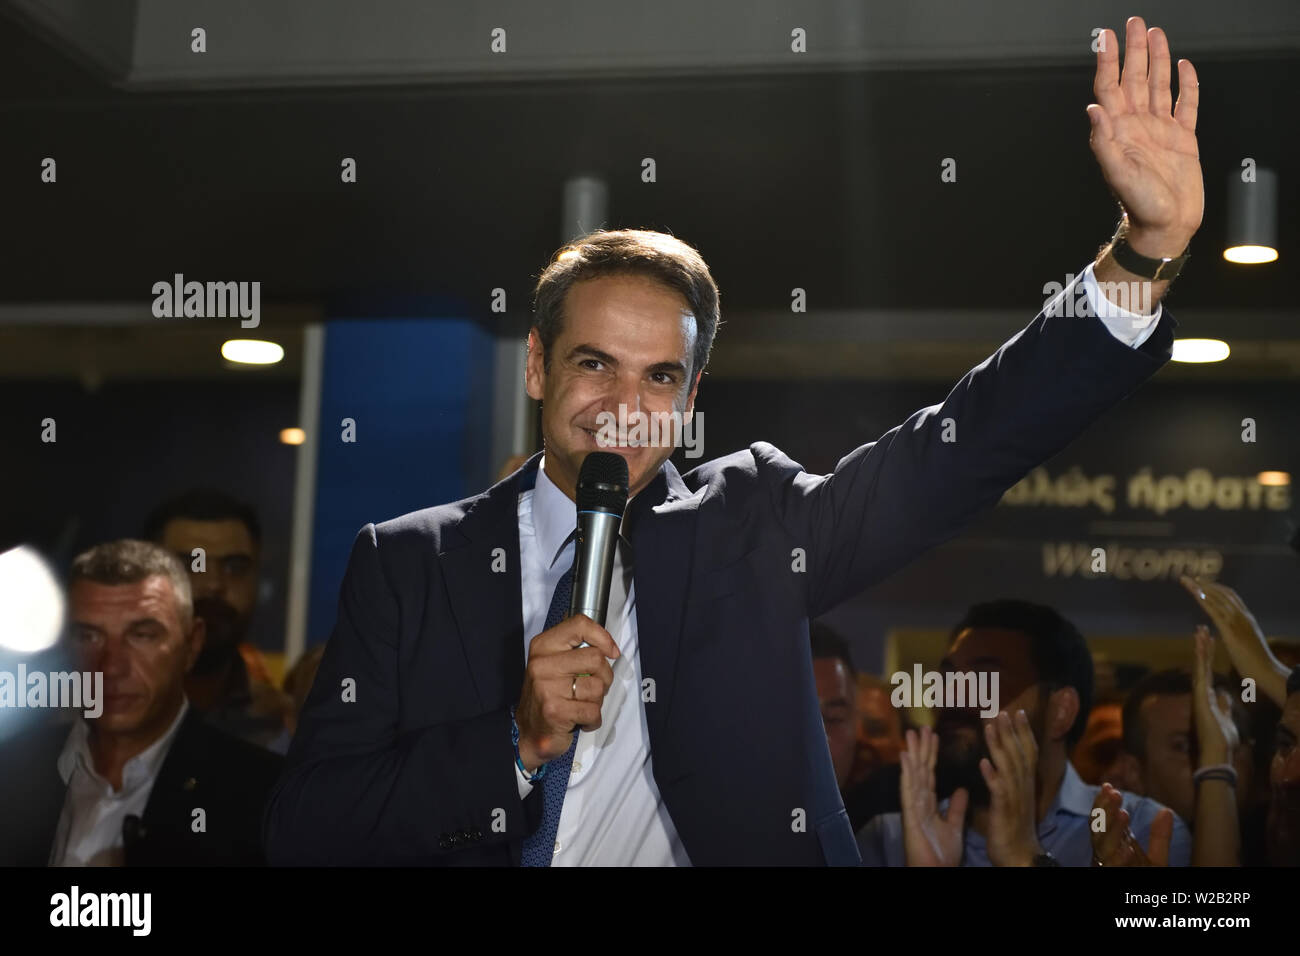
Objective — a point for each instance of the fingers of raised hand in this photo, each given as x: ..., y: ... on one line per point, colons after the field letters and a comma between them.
x: 1158, y: 73
x: 1107, y: 841
x: 1133, y: 81
x: 1105, y: 84
x: 1204, y: 654
x: 1189, y: 96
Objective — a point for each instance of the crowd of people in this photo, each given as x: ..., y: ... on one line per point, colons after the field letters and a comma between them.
x: 1185, y: 767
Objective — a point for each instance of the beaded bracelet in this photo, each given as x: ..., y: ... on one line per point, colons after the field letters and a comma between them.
x: 514, y: 739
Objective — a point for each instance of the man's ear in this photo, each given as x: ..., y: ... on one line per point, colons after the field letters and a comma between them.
x: 695, y: 387
x: 198, y: 634
x: 535, y: 366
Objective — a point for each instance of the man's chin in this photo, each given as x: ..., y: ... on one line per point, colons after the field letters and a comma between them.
x: 118, y: 723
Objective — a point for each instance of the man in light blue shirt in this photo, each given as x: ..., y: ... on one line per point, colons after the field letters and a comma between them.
x: 1038, y: 663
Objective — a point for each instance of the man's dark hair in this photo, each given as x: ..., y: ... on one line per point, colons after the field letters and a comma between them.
x: 202, y: 504
x: 128, y: 561
x: 827, y: 644
x: 1058, y: 652
x: 623, y: 252
x: 1174, y: 682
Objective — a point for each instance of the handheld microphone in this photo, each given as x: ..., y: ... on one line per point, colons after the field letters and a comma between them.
x: 601, y: 498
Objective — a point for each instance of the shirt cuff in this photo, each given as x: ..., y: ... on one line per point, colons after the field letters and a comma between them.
x: 1131, y: 328
x: 525, y: 787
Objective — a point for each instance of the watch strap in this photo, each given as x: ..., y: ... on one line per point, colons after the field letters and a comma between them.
x: 1129, y: 259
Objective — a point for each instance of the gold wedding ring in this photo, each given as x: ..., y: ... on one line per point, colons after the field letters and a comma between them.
x: 574, y: 689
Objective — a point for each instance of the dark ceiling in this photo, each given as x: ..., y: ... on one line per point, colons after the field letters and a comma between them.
x: 829, y: 182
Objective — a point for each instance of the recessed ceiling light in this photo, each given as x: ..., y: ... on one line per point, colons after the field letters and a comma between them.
x: 251, y: 352
x: 1200, y: 350
x: 1250, y: 255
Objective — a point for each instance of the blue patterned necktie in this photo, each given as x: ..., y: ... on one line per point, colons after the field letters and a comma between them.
x: 539, y: 848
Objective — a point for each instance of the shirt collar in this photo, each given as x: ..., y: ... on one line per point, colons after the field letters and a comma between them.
x: 1073, y: 796
x: 145, y: 765
x: 555, y: 514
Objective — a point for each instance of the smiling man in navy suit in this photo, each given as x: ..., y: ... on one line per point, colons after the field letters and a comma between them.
x: 454, y: 721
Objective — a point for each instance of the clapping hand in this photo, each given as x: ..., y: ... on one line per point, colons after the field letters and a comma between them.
x: 1215, y: 732
x: 929, y: 837
x: 1116, y: 845
x: 1241, y: 633
x: 1012, y: 777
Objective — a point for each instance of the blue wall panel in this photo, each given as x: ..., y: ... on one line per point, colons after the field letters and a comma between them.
x: 420, y: 393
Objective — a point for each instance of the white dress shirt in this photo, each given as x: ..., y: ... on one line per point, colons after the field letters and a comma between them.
x: 613, y: 814
x: 1131, y: 328
x: 90, y: 827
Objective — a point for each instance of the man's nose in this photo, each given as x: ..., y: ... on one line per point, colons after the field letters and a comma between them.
x: 115, y: 658
x: 626, y: 392
x: 208, y: 583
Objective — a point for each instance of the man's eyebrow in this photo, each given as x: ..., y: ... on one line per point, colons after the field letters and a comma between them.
x: 1284, y: 731
x: 677, y: 367
x: 592, y: 351
x: 146, y: 621
x: 138, y: 622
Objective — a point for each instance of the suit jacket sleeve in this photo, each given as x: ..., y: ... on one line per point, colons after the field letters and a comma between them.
x: 355, y: 790
x: 916, y: 487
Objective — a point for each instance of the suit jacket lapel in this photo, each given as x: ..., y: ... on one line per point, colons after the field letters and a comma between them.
x: 488, y: 607
x: 662, y: 532
x: 177, y: 774
x: 176, y: 791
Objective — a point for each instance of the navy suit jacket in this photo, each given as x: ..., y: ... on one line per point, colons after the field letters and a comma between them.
x: 731, y: 561
x: 204, y: 767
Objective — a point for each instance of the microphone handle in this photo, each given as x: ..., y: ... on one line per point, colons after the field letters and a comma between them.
x: 593, y: 564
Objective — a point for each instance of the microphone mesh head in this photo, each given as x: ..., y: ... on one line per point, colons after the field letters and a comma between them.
x: 602, y: 483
